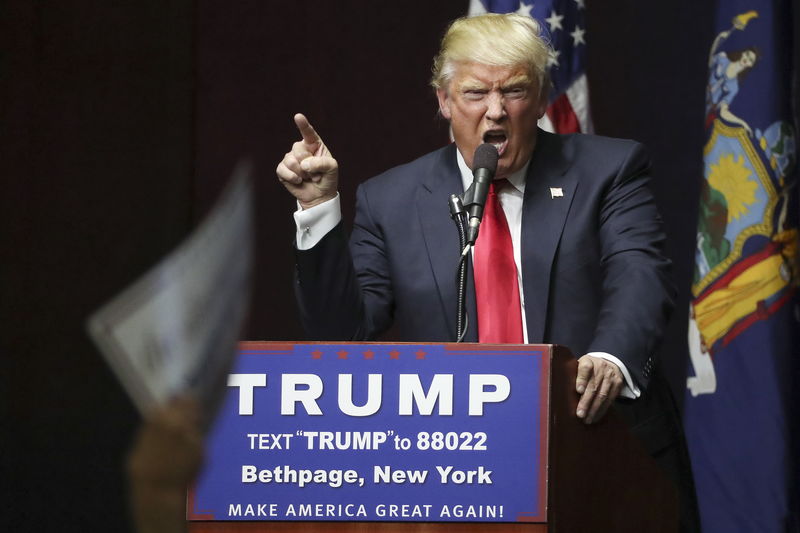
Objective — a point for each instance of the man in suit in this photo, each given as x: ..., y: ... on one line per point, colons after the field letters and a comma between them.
x: 584, y: 231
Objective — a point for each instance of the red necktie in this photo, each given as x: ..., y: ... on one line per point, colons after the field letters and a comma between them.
x: 496, y: 286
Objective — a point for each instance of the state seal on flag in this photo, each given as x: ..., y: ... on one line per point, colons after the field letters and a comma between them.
x: 745, y: 261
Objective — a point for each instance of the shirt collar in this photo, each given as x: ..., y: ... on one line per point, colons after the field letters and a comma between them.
x: 517, y: 179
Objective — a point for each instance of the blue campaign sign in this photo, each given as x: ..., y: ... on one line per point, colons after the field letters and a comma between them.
x: 379, y: 432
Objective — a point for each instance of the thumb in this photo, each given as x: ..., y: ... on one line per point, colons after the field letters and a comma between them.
x: 319, y: 165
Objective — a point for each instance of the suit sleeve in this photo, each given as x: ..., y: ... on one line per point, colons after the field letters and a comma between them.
x: 637, y: 291
x: 344, y: 291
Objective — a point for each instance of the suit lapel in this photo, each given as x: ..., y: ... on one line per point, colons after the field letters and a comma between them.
x: 549, y: 191
x: 441, y: 237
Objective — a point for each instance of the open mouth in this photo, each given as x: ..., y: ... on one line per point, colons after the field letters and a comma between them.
x: 498, y: 139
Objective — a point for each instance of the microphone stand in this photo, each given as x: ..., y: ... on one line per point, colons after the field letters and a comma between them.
x: 459, y: 216
x: 468, y: 223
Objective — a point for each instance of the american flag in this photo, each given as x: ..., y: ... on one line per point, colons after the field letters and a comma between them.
x: 564, y: 20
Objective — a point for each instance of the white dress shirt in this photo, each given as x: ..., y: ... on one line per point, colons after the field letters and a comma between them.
x: 314, y: 223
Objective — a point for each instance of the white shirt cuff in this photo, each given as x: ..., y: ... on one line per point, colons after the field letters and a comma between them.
x: 315, y: 222
x: 630, y: 390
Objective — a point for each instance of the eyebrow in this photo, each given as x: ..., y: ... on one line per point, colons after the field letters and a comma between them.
x: 517, y: 81
x: 521, y: 80
x: 472, y: 85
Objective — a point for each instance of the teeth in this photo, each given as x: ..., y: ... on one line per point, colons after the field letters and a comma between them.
x: 495, y: 138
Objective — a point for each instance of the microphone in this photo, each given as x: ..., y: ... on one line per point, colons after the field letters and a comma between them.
x: 484, y: 165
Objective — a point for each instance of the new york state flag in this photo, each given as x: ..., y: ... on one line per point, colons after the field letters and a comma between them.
x: 740, y: 408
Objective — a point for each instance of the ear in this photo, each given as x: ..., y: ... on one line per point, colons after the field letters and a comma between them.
x: 542, y: 107
x: 444, y: 103
x: 540, y: 111
x: 543, y: 97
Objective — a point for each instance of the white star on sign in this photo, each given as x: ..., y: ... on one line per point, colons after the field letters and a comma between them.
x: 580, y: 4
x: 577, y: 36
x: 554, y: 21
x: 552, y: 59
x: 524, y: 9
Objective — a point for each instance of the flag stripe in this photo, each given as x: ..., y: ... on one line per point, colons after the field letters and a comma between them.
x: 562, y: 116
x: 578, y: 94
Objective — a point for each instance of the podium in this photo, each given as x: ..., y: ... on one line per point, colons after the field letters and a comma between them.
x: 595, y: 477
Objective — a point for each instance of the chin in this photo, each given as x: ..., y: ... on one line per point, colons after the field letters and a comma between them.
x: 504, y: 168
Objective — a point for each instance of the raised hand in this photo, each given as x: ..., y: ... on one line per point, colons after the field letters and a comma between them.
x: 309, y: 171
x: 166, y: 456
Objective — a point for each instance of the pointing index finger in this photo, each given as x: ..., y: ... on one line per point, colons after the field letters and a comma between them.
x: 306, y: 129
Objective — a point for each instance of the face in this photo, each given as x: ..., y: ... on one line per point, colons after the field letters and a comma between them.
x: 748, y: 59
x: 498, y: 105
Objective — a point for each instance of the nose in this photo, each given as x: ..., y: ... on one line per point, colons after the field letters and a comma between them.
x: 495, y: 106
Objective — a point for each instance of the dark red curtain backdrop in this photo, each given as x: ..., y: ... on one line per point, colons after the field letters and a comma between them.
x: 120, y: 122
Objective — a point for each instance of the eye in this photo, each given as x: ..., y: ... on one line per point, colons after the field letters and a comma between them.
x: 515, y: 92
x: 474, y: 94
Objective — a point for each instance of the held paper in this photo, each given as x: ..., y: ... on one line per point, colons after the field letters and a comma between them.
x: 175, y: 329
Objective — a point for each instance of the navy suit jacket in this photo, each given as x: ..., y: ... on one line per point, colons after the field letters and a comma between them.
x: 594, y: 275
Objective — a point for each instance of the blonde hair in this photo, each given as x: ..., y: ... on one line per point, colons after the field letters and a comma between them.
x: 492, y: 39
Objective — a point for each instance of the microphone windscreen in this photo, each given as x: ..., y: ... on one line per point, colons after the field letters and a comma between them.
x: 486, y: 156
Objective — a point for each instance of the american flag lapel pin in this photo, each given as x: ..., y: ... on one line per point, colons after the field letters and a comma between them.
x: 556, y: 192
